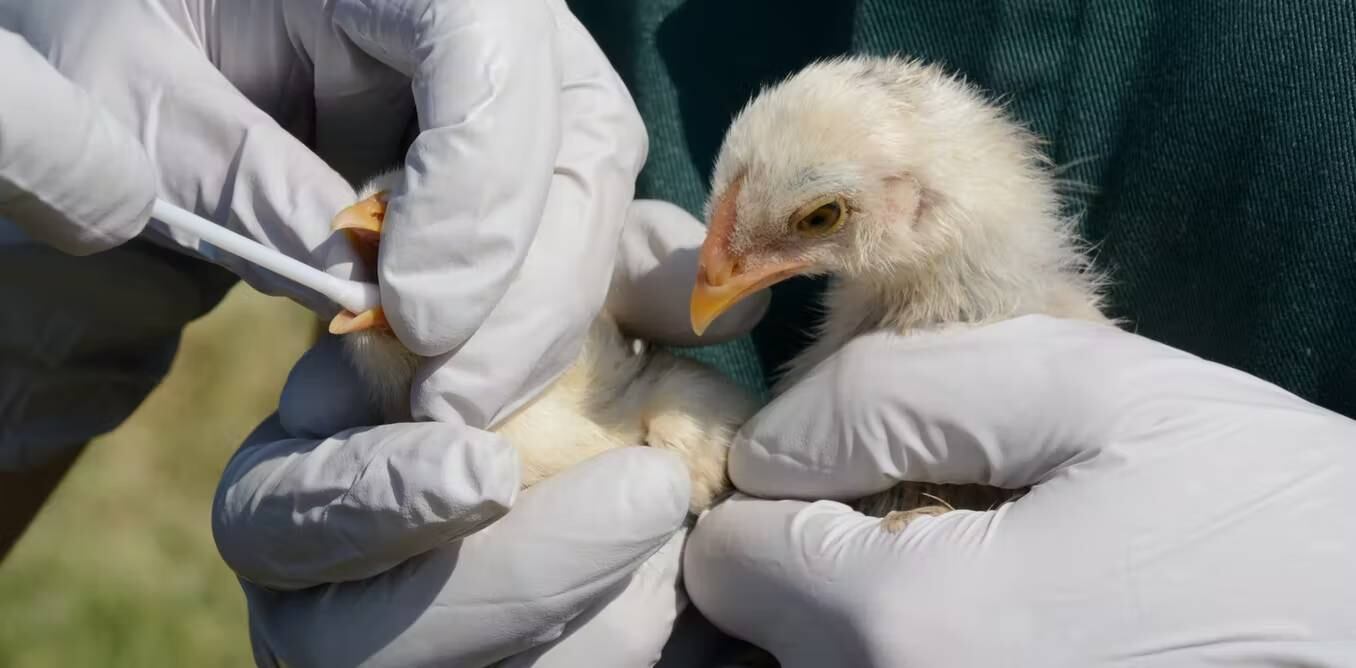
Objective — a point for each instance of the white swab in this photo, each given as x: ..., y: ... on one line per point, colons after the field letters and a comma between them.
x: 352, y: 295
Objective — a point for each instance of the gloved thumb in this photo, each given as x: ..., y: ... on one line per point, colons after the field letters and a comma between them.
x: 804, y: 580
x: 71, y: 175
x: 626, y: 630
x: 653, y: 277
x: 1005, y: 405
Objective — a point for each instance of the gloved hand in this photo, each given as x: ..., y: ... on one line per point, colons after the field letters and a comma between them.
x: 253, y: 114
x: 411, y: 517
x: 1183, y: 514
x: 57, y: 141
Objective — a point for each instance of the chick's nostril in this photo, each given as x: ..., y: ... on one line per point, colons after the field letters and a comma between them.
x: 718, y: 273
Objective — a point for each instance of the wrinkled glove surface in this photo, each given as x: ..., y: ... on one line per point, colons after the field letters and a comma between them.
x: 1184, y: 513
x: 70, y: 174
x: 412, y: 520
x: 496, y: 256
x: 261, y: 115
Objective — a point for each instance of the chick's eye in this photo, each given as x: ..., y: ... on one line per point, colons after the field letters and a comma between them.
x: 821, y: 220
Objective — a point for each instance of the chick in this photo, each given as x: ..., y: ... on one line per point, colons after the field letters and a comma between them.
x: 618, y: 392
x: 925, y: 205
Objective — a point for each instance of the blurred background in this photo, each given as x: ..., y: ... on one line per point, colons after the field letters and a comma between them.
x: 120, y: 568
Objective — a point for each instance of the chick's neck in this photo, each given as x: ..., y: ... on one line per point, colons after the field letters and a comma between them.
x: 977, y: 281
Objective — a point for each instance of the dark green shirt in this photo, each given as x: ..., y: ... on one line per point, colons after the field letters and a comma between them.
x: 1218, y: 138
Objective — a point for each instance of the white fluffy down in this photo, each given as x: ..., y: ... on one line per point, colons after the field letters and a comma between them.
x: 616, y: 394
x: 953, y: 219
x: 953, y: 215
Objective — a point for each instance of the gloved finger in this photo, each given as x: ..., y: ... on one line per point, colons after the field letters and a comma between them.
x: 324, y: 394
x: 1004, y: 405
x: 625, y: 631
x: 817, y: 584
x: 487, y: 86
x: 232, y: 164
x: 536, y: 330
x: 214, y: 151
x: 1228, y: 534
x: 58, y: 142
x: 295, y: 512
x: 569, y: 542
x: 364, y: 113
x: 653, y: 278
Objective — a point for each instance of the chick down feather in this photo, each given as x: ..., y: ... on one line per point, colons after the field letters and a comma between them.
x: 618, y: 392
x: 922, y: 201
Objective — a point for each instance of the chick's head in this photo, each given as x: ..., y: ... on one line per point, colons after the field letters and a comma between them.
x: 866, y: 169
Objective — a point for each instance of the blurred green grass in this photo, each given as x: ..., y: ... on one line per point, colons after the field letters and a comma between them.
x: 119, y: 569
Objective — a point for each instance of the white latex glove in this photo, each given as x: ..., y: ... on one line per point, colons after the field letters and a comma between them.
x: 498, y: 253
x: 1183, y: 514
x: 70, y: 175
x: 411, y: 518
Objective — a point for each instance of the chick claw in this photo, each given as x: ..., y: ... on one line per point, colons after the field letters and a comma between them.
x: 896, y: 520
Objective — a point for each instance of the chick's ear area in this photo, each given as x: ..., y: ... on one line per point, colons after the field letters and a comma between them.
x: 903, y: 199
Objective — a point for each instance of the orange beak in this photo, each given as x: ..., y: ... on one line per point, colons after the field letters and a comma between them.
x: 362, y: 224
x: 721, y: 284
x: 722, y: 281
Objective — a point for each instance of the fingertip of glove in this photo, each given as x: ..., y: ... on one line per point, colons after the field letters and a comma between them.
x: 663, y: 213
x: 651, y: 486
x: 752, y: 468
x: 414, y: 298
x: 323, y: 395
x: 658, y: 480
x: 736, y: 561
x: 478, y: 482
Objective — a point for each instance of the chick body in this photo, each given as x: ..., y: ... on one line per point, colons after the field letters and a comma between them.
x: 618, y: 392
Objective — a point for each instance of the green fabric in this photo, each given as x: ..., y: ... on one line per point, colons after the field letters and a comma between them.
x: 1219, y: 136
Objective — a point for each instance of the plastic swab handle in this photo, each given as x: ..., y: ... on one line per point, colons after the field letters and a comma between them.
x: 352, y: 295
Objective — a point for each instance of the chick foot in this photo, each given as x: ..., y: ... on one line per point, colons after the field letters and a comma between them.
x: 896, y: 520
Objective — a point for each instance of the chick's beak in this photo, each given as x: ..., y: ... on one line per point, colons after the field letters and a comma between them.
x: 362, y: 224
x: 722, y: 282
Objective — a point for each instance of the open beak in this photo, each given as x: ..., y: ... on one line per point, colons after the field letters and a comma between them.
x: 721, y: 283
x: 362, y: 223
